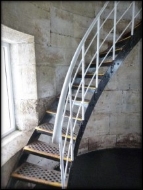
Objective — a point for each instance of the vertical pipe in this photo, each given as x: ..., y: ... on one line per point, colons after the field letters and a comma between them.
x: 133, y: 15
x: 114, y: 34
x: 97, y: 57
x: 61, y: 164
x: 83, y: 81
x: 71, y: 120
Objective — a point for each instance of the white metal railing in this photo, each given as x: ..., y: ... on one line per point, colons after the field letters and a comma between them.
x: 67, y: 101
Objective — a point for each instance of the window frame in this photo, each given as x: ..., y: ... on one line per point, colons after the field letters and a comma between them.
x: 6, y: 64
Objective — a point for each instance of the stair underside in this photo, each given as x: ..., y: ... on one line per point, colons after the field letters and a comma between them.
x: 67, y: 114
x: 36, y: 174
x: 43, y: 149
x: 48, y: 128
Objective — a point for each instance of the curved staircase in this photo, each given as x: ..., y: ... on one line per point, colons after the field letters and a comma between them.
x: 70, y: 112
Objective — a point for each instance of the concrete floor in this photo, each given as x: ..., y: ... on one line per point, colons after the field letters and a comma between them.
x: 106, y: 169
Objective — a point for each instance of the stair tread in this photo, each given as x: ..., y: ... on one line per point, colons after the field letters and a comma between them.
x: 123, y: 39
x: 44, y: 149
x: 78, y: 99
x: 89, y: 75
x: 104, y: 64
x: 38, y: 174
x: 90, y: 87
x: 116, y: 50
x: 48, y: 127
x: 67, y: 114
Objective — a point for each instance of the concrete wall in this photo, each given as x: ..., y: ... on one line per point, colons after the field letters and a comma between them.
x: 58, y: 28
x: 116, y: 119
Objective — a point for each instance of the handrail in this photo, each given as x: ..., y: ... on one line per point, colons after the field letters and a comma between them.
x: 66, y: 92
x: 57, y: 128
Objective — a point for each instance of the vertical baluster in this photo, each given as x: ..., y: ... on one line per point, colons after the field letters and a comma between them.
x: 114, y: 33
x: 98, y: 43
x: 71, y: 120
x: 83, y: 79
x: 133, y: 15
x: 61, y: 163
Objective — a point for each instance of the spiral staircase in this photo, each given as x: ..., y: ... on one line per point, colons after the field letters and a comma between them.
x: 67, y: 118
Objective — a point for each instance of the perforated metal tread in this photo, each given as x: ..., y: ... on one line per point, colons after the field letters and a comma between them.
x: 48, y: 128
x: 43, y: 149
x: 37, y: 174
x: 90, y: 87
x: 79, y: 100
x: 89, y: 75
x: 53, y: 111
x: 102, y: 54
x: 104, y: 64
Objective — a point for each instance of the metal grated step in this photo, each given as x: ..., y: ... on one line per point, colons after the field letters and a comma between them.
x: 53, y: 111
x: 102, y: 54
x: 78, y: 100
x: 43, y: 149
x: 104, y: 64
x: 33, y: 173
x: 75, y: 86
x: 89, y: 75
x: 48, y: 128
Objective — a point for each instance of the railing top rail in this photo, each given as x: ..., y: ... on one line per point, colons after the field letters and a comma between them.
x: 57, y: 129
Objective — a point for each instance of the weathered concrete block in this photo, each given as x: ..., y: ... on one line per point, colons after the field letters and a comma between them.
x: 80, y: 24
x: 81, y: 8
x: 35, y: 12
x: 98, y: 124
x: 46, y: 84
x: 102, y: 142
x: 61, y: 72
x: 124, y: 123
x: 26, y: 54
x: 25, y: 114
x: 130, y: 140
x: 118, y: 101
x: 83, y: 147
x: 131, y: 102
x: 24, y: 81
x: 48, y: 55
x: 61, y: 41
x: 44, y: 5
x: 61, y: 22
x: 103, y: 104
x: 57, y: 4
x: 42, y: 105
x: 42, y: 31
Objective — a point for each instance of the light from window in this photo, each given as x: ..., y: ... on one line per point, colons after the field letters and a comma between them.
x: 7, y: 113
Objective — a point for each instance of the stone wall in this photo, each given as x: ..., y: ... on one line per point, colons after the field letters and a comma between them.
x: 116, y: 119
x: 57, y: 28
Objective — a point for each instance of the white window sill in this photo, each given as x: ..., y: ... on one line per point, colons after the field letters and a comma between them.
x: 12, y: 143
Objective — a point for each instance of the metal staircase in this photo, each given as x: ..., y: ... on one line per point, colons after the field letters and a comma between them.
x: 70, y: 112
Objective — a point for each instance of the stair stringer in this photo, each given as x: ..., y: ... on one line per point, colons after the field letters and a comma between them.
x: 102, y: 84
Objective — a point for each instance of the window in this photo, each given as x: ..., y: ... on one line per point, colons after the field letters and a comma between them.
x: 8, y: 121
